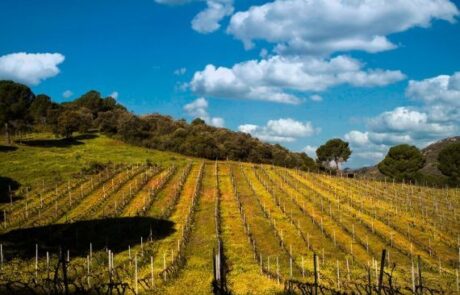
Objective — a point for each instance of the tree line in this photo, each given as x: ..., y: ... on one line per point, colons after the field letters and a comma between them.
x: 23, y: 111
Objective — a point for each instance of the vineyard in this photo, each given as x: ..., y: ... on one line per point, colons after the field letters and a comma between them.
x: 189, y: 226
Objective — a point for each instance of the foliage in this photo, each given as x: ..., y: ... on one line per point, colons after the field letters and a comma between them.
x: 39, y: 107
x: 334, y: 150
x: 15, y: 100
x: 93, y: 101
x: 70, y: 121
x: 402, y: 162
x: 449, y: 162
x: 153, y: 131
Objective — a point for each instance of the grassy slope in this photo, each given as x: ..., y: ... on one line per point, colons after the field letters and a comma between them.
x: 51, y: 163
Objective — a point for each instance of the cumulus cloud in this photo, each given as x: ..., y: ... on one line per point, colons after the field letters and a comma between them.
x: 357, y: 138
x: 310, y: 151
x: 114, y: 94
x: 436, y: 118
x: 199, y: 109
x: 443, y: 89
x: 30, y: 68
x: 67, y: 94
x: 365, y: 139
x: 276, y: 78
x: 327, y: 26
x: 279, y: 131
x: 405, y: 119
x: 375, y: 156
x: 207, y: 20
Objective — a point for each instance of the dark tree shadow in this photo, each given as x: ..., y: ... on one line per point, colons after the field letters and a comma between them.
x: 60, y: 143
x: 7, y: 184
x: 7, y: 148
x: 115, y: 234
x: 49, y: 143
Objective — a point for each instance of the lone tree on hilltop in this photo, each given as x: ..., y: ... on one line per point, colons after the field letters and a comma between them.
x: 334, y: 151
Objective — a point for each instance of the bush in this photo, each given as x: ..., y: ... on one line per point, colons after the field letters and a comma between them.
x: 449, y: 163
x: 402, y: 163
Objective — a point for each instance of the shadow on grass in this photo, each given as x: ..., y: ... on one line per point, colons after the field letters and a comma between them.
x: 7, y: 184
x: 7, y: 148
x: 61, y: 143
x: 115, y: 234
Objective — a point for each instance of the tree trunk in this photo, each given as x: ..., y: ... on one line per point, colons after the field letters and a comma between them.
x: 7, y: 134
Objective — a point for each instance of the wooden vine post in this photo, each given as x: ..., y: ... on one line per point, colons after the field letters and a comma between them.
x: 315, y: 269
x: 382, y: 267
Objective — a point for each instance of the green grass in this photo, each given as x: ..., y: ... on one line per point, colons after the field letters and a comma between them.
x: 54, y: 163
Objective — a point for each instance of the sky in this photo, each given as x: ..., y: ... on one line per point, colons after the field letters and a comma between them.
x: 375, y: 73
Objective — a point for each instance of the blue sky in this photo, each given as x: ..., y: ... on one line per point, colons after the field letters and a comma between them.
x: 255, y: 66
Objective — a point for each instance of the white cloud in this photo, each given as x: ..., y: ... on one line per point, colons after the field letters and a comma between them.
x: 114, y: 94
x: 310, y: 151
x: 216, y: 122
x: 67, y: 94
x: 443, y: 89
x: 180, y: 71
x: 274, y: 79
x: 207, y: 20
x: 316, y: 98
x: 357, y: 138
x: 327, y: 26
x: 199, y: 109
x: 388, y: 139
x: 438, y: 117
x: 281, y: 130
x: 360, y: 139
x: 30, y: 68
x: 404, y: 119
x: 374, y: 156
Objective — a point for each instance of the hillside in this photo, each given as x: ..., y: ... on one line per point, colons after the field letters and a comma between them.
x: 21, y: 111
x: 430, y: 169
x: 149, y: 222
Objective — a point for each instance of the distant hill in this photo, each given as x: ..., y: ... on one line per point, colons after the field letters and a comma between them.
x: 430, y: 170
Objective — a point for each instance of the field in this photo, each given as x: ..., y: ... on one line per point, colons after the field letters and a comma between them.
x: 148, y: 222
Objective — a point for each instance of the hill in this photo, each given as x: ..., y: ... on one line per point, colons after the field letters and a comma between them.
x: 21, y: 111
x: 123, y: 217
x: 430, y: 170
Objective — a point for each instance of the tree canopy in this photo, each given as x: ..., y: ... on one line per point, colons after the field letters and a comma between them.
x: 91, y: 111
x: 334, y: 150
x: 449, y: 162
x: 402, y: 162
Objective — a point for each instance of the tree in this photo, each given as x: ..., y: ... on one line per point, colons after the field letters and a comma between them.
x: 93, y: 101
x: 334, y: 150
x: 39, y: 107
x: 402, y: 162
x: 449, y: 162
x: 71, y: 121
x: 15, y: 100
